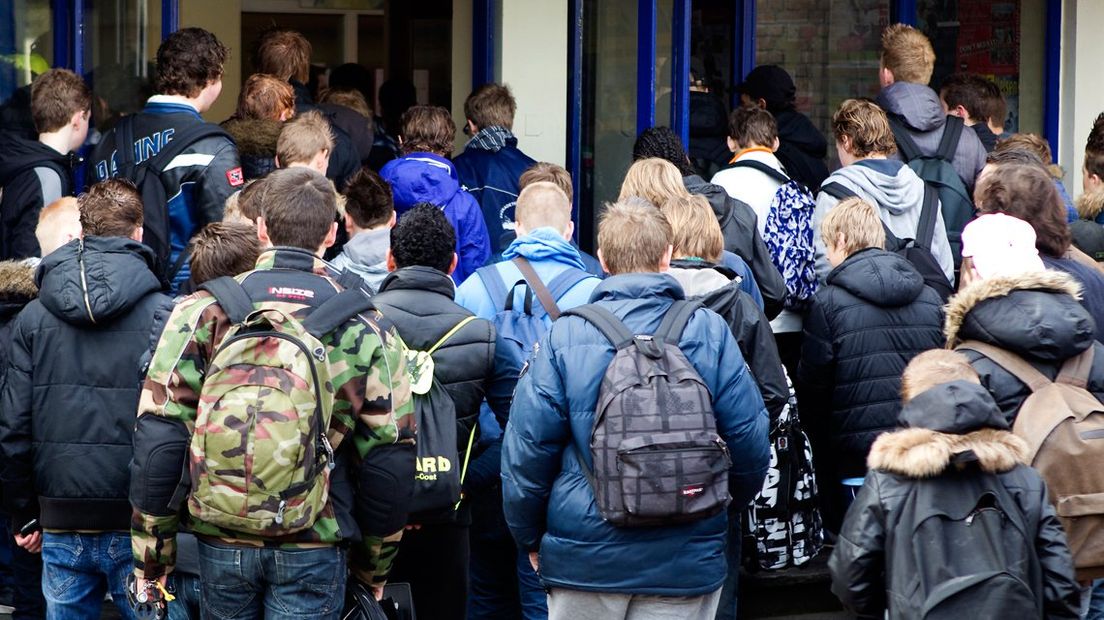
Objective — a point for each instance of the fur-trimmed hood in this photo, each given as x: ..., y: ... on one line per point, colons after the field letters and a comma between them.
x: 254, y: 137
x: 1034, y: 314
x: 17, y: 286
x: 1090, y: 205
x: 951, y: 423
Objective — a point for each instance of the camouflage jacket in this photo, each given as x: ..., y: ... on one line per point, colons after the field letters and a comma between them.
x: 372, y: 407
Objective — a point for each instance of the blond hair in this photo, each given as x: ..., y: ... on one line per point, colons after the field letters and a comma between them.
x: 543, y: 204
x: 58, y: 223
x: 859, y: 223
x: 866, y: 125
x: 932, y: 368
x: 653, y: 179
x: 352, y: 99
x: 552, y: 173
x: 694, y: 229
x: 908, y: 54
x: 633, y: 236
x: 302, y: 138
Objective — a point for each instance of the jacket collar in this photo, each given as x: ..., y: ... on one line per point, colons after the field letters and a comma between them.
x: 637, y: 286
x: 924, y: 453
x: 961, y: 304
x: 419, y: 278
x: 493, y: 139
x: 292, y: 258
x: 1090, y: 205
x: 544, y: 244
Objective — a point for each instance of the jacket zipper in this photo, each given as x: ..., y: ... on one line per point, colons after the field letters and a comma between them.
x: 84, y: 281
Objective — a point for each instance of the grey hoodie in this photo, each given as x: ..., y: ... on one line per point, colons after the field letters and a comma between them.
x: 899, y: 198
x: 365, y: 254
x: 919, y: 107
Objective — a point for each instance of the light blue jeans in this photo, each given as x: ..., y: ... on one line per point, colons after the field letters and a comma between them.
x: 78, y: 568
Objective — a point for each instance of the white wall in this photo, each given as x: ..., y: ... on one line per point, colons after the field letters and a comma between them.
x: 1082, y: 90
x: 533, y: 62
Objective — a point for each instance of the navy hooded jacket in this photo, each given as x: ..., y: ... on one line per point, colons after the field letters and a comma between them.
x: 425, y: 177
x: 492, y: 179
x: 549, y: 504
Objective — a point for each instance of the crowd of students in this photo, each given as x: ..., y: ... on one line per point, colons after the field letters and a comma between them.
x: 256, y: 369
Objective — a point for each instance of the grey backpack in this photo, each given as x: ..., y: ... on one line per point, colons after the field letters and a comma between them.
x: 658, y: 459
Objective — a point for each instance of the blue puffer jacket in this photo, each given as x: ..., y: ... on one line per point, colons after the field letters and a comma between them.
x: 549, y: 253
x: 548, y: 502
x: 492, y: 178
x: 425, y: 177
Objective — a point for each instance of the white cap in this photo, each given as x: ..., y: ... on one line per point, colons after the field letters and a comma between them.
x: 1001, y: 245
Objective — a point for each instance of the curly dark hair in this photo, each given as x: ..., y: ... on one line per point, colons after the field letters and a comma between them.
x: 664, y: 143
x: 368, y: 199
x: 187, y: 61
x: 1027, y: 192
x: 423, y: 237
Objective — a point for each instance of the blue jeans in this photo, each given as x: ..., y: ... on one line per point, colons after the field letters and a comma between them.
x: 187, y: 590
x: 78, y: 568
x: 251, y: 582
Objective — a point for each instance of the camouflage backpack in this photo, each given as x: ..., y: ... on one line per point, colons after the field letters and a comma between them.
x: 658, y: 459
x: 260, y: 458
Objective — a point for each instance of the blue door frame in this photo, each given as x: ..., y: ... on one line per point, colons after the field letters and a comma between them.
x: 69, y: 29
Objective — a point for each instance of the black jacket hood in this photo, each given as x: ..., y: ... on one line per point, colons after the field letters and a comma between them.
x: 96, y: 279
x: 1034, y: 315
x: 716, y: 195
x: 419, y: 278
x: 958, y: 407
x: 879, y: 277
x: 18, y: 153
x: 796, y: 129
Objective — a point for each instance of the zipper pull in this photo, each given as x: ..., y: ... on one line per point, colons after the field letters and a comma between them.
x: 280, y: 512
x: 329, y: 452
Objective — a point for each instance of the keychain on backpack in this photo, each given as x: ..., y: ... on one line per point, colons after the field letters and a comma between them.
x: 152, y: 603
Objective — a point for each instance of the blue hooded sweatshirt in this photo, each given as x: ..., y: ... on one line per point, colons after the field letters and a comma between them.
x: 549, y: 253
x: 425, y: 177
x: 547, y: 501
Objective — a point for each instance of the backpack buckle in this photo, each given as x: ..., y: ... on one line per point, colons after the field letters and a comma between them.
x: 648, y: 346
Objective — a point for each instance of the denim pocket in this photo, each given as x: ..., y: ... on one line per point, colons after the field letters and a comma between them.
x: 61, y: 555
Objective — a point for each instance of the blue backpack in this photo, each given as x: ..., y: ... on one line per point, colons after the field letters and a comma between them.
x: 521, y: 328
x: 789, y: 236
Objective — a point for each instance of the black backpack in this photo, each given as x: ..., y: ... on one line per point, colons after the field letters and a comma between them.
x: 916, y: 251
x: 963, y: 551
x: 146, y: 175
x: 938, y: 173
x: 646, y: 473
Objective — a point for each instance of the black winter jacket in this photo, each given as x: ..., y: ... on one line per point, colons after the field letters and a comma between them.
x: 1036, y: 316
x: 71, y: 387
x: 719, y: 290
x: 741, y: 237
x: 32, y: 175
x: 801, y: 149
x: 344, y: 158
x: 957, y: 449
x: 873, y: 315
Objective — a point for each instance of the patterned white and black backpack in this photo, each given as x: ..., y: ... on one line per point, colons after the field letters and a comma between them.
x: 783, y: 526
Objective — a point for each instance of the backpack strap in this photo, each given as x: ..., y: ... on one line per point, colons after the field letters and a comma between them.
x: 766, y: 169
x: 948, y: 144
x: 566, y: 280
x: 449, y: 334
x: 837, y: 191
x: 335, y: 311
x: 1075, y: 371
x: 675, y: 320
x: 925, y: 229
x: 610, y: 326
x: 124, y: 142
x: 905, y: 143
x: 1011, y: 362
x: 537, y: 286
x: 495, y: 285
x: 231, y: 297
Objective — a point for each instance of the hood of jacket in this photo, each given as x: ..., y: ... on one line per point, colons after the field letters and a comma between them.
x: 17, y: 287
x: 718, y: 198
x: 952, y: 423
x: 544, y: 244
x: 898, y: 193
x: 1090, y: 205
x: 796, y: 129
x: 1034, y: 315
x: 917, y: 104
x: 421, y: 177
x: 254, y: 137
x: 419, y: 278
x: 368, y: 249
x: 17, y: 153
x: 699, y: 278
x: 635, y: 286
x: 95, y: 279
x: 882, y: 278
